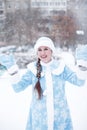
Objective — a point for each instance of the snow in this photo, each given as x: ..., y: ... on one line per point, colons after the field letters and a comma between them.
x: 77, y: 99
x: 14, y: 107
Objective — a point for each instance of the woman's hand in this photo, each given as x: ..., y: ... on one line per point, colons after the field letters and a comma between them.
x: 81, y: 57
x: 81, y: 61
x: 7, y: 60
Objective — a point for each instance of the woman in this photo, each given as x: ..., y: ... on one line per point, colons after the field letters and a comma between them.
x: 49, y: 109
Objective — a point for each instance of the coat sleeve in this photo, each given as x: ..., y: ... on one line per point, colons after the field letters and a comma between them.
x: 21, y: 82
x: 72, y: 77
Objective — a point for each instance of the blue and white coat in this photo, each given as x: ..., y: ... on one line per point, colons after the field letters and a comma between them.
x: 51, y: 112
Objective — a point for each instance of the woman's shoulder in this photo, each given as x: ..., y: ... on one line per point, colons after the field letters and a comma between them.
x: 58, y: 66
x: 32, y: 67
x: 31, y: 64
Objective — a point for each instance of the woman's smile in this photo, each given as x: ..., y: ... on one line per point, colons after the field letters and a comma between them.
x: 45, y: 54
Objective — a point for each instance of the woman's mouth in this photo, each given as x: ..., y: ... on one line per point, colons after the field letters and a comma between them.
x: 43, y: 57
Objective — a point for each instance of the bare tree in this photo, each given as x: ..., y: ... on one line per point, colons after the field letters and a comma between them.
x: 64, y: 29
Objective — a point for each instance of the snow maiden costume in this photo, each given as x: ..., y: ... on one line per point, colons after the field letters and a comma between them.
x: 51, y: 111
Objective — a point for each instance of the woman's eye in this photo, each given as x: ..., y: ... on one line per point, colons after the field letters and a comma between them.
x: 46, y: 49
x: 39, y: 50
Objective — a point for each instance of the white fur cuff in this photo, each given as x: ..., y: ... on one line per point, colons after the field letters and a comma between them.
x: 82, y: 63
x: 14, y: 69
x: 81, y: 74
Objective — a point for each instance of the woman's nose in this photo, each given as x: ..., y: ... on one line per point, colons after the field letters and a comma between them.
x: 43, y: 52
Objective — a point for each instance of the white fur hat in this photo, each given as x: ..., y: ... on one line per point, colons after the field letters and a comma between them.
x: 44, y: 41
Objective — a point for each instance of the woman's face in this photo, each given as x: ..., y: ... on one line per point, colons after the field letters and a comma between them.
x: 44, y: 54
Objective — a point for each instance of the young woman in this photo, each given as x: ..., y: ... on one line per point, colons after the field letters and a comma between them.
x: 49, y: 109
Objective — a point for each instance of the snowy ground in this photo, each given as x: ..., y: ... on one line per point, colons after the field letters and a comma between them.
x: 14, y: 107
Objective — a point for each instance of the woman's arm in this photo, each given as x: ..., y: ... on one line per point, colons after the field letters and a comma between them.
x: 72, y: 77
x: 18, y: 81
x: 21, y: 82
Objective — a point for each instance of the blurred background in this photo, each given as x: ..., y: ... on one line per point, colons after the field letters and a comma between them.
x: 23, y: 21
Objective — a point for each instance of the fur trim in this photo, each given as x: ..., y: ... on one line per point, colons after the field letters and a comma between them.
x: 82, y: 62
x: 81, y: 74
x: 13, y: 69
x: 55, y: 70
x: 60, y: 68
x: 33, y: 69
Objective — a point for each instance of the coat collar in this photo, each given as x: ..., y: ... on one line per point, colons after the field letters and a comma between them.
x: 56, y: 67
